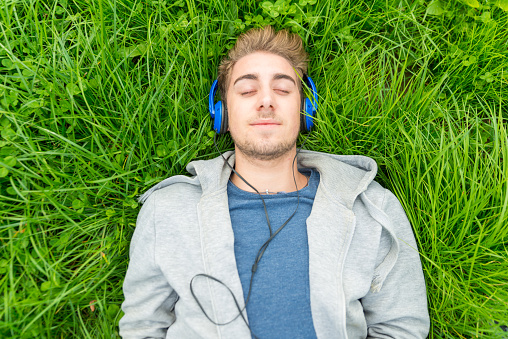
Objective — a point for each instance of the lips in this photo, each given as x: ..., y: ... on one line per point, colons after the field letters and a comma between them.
x: 265, y: 122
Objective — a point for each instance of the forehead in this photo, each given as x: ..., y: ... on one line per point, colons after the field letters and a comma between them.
x: 262, y: 63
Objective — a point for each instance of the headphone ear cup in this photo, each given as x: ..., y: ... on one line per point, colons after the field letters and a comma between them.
x: 217, y: 121
x: 303, y: 127
x: 224, y: 123
x: 310, y: 105
x: 308, y: 120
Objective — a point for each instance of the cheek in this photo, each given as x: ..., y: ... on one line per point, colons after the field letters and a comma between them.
x: 233, y: 118
x: 297, y: 115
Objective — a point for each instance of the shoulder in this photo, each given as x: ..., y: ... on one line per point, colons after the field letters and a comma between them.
x: 376, y: 193
x: 172, y: 187
x: 177, y: 197
x: 384, y: 200
x: 207, y: 176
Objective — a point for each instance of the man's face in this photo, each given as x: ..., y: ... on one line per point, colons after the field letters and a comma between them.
x: 263, y: 102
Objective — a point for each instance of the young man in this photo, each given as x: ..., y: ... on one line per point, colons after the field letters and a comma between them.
x: 312, y: 248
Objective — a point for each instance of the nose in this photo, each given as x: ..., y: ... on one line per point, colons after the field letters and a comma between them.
x: 266, y: 99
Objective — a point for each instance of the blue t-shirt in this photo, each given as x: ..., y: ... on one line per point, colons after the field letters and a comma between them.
x: 279, y: 305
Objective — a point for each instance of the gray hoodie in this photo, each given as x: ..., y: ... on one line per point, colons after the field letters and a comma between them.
x: 365, y: 274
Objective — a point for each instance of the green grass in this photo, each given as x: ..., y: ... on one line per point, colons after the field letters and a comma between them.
x: 100, y: 99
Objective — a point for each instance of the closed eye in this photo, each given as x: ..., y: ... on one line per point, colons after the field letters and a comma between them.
x: 283, y: 91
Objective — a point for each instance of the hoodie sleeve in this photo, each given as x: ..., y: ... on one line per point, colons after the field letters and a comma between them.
x: 149, y: 299
x: 399, y: 308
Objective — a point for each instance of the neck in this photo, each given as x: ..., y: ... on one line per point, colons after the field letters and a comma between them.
x: 273, y: 175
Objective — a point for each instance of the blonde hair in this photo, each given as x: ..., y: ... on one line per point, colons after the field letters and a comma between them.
x: 281, y: 43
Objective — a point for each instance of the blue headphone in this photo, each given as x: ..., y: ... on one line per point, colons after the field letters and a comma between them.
x: 219, y: 113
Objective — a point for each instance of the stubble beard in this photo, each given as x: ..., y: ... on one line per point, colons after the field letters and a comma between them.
x: 264, y: 151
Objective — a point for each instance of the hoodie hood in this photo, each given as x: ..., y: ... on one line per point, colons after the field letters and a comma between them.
x: 347, y: 175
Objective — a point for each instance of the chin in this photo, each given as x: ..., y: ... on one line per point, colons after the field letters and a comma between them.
x: 265, y: 151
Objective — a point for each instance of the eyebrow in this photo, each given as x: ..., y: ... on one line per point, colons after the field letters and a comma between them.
x: 246, y: 76
x: 277, y: 76
x: 283, y: 76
